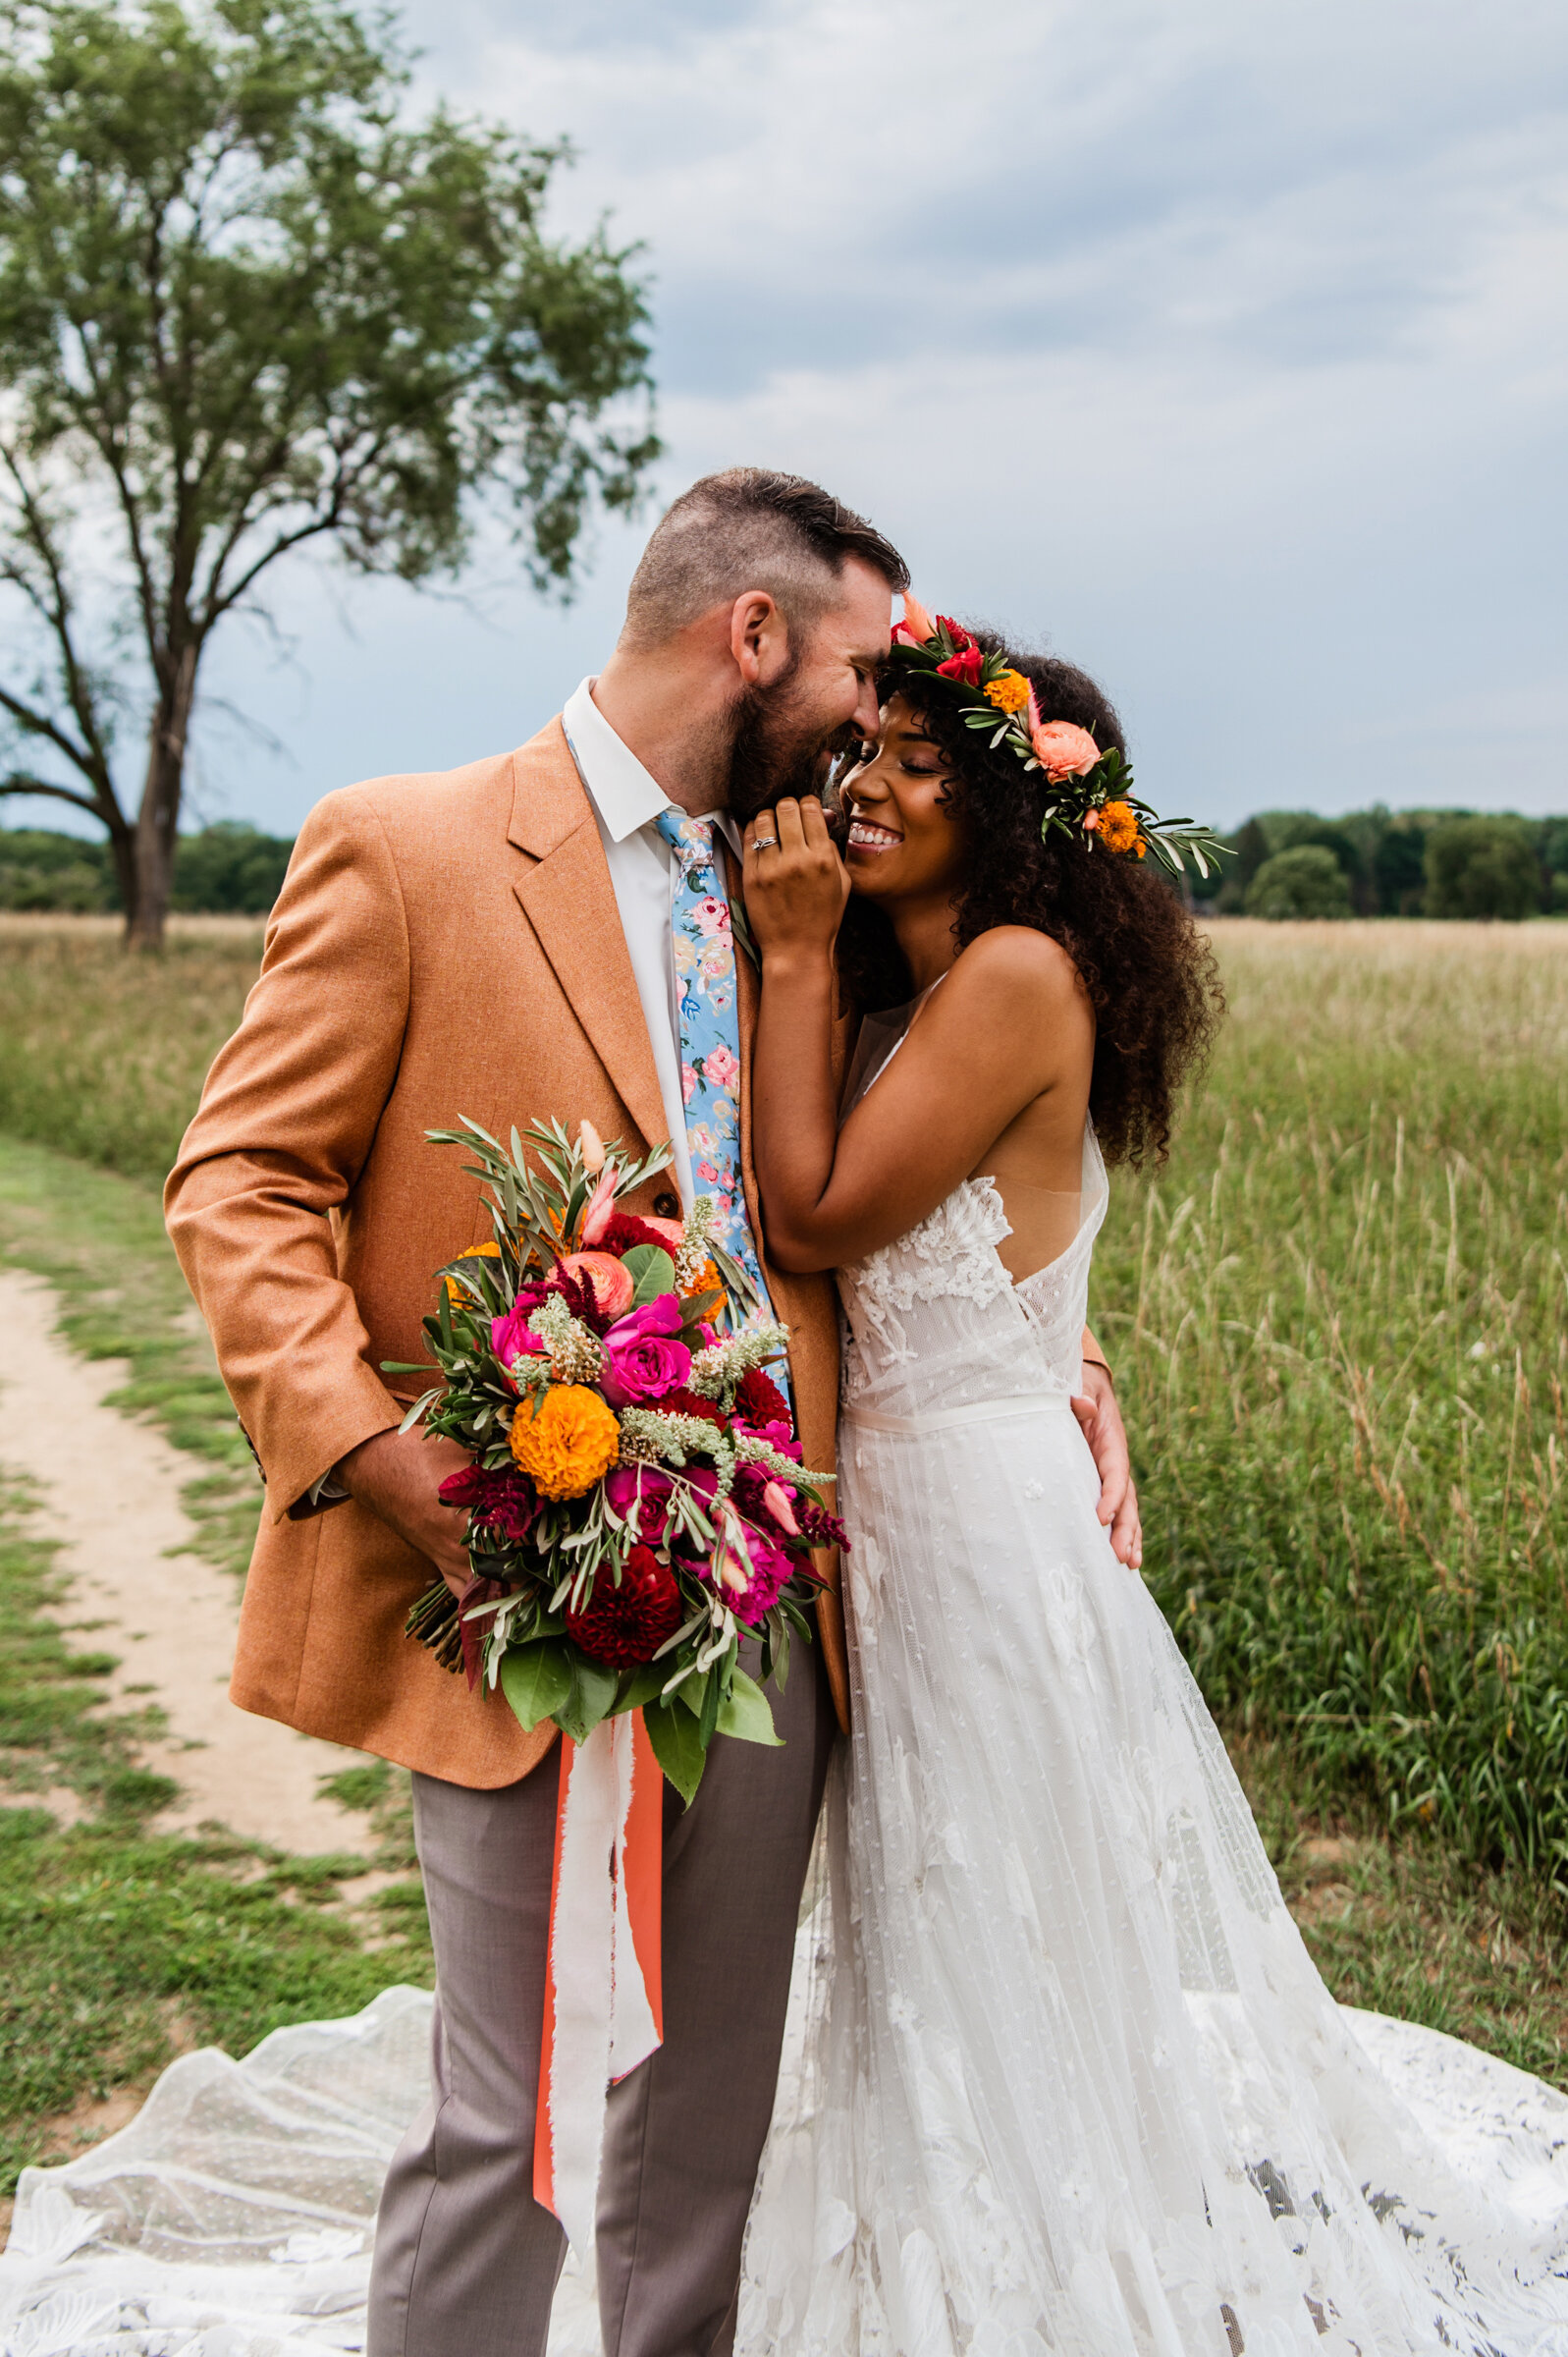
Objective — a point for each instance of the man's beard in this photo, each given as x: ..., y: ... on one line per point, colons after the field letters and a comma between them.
x: 774, y: 753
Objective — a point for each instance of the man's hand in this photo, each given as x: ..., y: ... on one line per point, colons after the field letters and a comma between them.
x: 1102, y: 1428
x: 396, y: 1475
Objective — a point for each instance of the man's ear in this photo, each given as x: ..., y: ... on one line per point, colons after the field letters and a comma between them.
x: 759, y: 639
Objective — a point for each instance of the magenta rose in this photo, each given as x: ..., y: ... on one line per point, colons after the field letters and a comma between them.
x: 509, y: 1338
x: 642, y: 1359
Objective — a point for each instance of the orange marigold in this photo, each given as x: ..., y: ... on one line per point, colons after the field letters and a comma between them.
x: 567, y: 1442
x: 1118, y: 828
x: 1010, y: 693
x: 706, y: 1281
x: 490, y: 1251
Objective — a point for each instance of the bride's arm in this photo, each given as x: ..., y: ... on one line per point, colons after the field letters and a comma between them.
x: 1010, y: 1022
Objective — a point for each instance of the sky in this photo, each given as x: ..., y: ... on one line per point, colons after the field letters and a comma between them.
x: 1220, y: 344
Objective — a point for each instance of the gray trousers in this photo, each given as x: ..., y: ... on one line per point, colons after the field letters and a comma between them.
x: 465, y: 2260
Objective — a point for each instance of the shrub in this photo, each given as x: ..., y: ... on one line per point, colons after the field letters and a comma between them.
x: 1483, y: 867
x: 1307, y: 881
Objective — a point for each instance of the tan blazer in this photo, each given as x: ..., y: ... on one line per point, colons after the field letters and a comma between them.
x: 443, y: 946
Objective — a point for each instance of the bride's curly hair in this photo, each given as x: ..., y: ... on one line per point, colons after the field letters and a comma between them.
x: 1149, y: 971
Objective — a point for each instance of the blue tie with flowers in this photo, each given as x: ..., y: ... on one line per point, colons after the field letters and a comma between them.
x: 710, y: 1034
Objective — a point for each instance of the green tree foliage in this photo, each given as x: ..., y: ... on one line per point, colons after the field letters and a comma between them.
x: 228, y: 869
x: 247, y: 304
x: 1304, y: 881
x: 1483, y: 867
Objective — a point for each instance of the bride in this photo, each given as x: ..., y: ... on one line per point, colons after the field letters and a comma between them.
x: 1071, y: 2083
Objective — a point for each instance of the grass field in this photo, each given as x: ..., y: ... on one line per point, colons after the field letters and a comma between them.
x: 1338, y: 1320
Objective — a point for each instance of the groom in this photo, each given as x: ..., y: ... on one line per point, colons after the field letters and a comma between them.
x: 502, y: 941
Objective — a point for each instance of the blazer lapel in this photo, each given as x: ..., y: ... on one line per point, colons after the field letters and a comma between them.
x: 570, y: 901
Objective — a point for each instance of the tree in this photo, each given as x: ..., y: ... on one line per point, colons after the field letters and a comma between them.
x: 1306, y: 881
x: 1483, y: 867
x: 245, y: 304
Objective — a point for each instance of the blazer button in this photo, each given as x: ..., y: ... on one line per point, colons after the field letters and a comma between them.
x: 667, y: 1206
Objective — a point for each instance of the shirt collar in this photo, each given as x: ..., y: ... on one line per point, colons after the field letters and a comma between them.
x: 626, y: 796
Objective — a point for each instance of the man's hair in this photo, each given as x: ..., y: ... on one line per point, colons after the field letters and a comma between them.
x: 748, y: 528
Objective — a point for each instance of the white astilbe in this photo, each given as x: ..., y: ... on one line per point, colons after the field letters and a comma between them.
x: 647, y: 1434
x: 575, y: 1356
x: 753, y: 1449
x: 692, y: 1257
x: 723, y: 1363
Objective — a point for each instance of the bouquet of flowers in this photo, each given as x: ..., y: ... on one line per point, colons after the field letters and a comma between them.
x: 637, y: 1502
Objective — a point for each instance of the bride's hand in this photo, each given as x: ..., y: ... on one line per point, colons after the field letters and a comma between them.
x: 797, y: 884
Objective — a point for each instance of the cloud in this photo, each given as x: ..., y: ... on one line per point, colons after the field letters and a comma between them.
x: 1220, y: 343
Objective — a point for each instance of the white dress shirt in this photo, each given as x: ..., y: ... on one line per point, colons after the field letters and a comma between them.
x: 627, y: 804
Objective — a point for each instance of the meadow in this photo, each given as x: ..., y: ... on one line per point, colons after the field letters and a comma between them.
x: 1339, y: 1321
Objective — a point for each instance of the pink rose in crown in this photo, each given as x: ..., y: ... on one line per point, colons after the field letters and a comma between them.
x: 641, y: 1359
x: 1063, y: 750
x: 722, y: 1069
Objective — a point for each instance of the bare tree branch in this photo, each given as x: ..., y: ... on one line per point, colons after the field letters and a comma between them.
x: 18, y: 783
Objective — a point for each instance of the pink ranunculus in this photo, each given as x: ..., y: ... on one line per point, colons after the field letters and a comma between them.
x: 1063, y: 750
x: 723, y: 1068
x: 602, y: 1272
x: 649, y: 1489
x: 509, y: 1338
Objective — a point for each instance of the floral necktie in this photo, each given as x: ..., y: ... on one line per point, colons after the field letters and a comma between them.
x: 710, y: 1034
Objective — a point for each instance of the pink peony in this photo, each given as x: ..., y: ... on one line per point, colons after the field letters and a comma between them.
x: 751, y: 1568
x: 1063, y: 750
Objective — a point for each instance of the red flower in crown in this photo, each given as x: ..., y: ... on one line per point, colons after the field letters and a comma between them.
x: 964, y: 667
x: 956, y: 632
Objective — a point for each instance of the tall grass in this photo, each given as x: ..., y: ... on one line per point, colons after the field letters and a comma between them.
x: 103, y: 1055
x: 1340, y: 1317
x: 1340, y: 1321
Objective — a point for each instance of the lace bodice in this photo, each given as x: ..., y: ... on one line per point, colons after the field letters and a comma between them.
x: 934, y: 1320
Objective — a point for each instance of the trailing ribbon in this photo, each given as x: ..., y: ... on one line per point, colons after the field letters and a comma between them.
x: 604, y: 1997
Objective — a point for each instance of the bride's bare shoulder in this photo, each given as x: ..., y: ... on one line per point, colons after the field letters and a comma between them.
x: 1015, y: 970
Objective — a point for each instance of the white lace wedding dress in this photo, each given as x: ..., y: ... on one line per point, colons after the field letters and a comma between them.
x: 1067, y: 2080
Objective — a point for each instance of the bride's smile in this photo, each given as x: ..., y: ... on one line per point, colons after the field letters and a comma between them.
x: 902, y: 840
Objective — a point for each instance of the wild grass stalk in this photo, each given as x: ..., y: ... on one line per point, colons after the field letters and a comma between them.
x: 1344, y: 1349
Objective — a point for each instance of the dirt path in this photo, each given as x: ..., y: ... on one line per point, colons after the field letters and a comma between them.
x: 109, y: 1492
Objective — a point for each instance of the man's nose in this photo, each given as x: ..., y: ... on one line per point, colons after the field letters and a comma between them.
x: 867, y: 714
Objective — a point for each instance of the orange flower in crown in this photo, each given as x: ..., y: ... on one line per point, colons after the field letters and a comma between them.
x: 1088, y: 795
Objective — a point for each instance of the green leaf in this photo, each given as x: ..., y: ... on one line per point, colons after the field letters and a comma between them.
x: 591, y: 1698
x: 644, y: 1685
x: 652, y: 1272
x: 747, y: 1713
x: 677, y: 1746
x: 537, y: 1680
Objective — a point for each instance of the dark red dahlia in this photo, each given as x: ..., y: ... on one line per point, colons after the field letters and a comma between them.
x: 759, y: 1400
x: 502, y: 1505
x: 692, y: 1403
x: 623, y: 1625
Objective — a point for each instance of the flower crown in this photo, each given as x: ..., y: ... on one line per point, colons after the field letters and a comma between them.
x: 1089, y: 792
